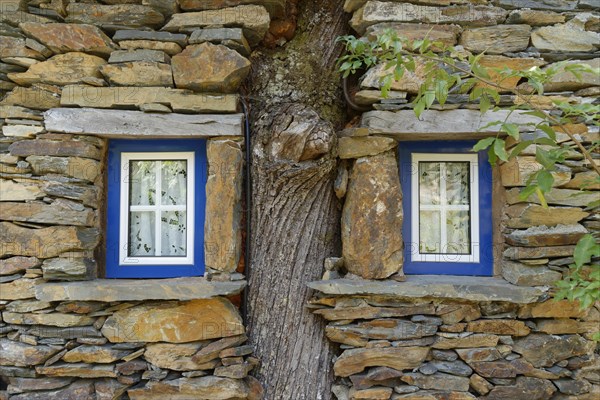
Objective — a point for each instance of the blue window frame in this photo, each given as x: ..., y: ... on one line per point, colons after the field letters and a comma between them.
x: 447, y: 202
x: 155, y: 208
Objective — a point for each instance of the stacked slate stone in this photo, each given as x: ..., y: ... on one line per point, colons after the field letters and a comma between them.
x: 436, y: 337
x: 514, y: 34
x: 392, y: 347
x: 149, y: 64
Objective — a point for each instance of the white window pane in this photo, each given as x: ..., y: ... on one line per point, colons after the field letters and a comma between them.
x: 430, y: 230
x: 457, y: 183
x: 429, y: 183
x: 173, y: 182
x: 142, y: 182
x: 458, y: 232
x: 173, y: 233
x: 142, y: 233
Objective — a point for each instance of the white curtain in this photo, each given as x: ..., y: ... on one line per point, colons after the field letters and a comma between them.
x: 173, y: 223
x: 146, y: 178
x: 444, y: 209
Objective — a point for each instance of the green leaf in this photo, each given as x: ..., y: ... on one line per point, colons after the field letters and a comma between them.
x: 492, y: 157
x: 478, y: 70
x: 493, y: 123
x: 483, y: 144
x: 545, y: 158
x: 536, y: 113
x: 511, y: 129
x: 545, y: 180
x: 546, y: 141
x: 429, y: 98
x: 500, y: 149
x: 527, y: 191
x: 484, y: 104
x: 586, y: 249
x: 541, y: 196
x: 548, y: 131
x: 419, y: 107
x: 441, y: 91
x: 520, y: 147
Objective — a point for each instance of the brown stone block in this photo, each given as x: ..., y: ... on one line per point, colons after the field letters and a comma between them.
x: 222, y: 228
x: 45, y: 242
x: 41, y: 147
x: 553, y: 309
x: 543, y: 350
x: 110, y: 16
x: 63, y: 38
x: 499, y: 327
x: 79, y: 370
x: 35, y: 97
x: 496, y: 39
x: 171, y: 48
x: 138, y: 74
x: 192, y: 321
x: 476, y: 340
x: 372, y: 218
x: 24, y: 355
x: 17, y: 264
x: 518, y: 170
x: 356, y: 360
x: 177, y: 357
x: 253, y: 19
x: 62, y: 69
x: 206, y: 387
x: 500, y: 62
x: 560, y: 235
x: 209, y: 68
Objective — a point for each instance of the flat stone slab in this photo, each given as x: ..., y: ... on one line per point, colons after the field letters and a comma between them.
x: 122, y: 56
x: 137, y: 124
x: 109, y: 290
x: 472, y: 288
x: 179, y: 38
x: 433, y: 124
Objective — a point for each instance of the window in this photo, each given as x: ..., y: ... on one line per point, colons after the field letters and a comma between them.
x: 155, y: 211
x: 447, y: 205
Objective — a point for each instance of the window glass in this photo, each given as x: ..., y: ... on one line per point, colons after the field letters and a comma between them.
x: 447, y: 203
x: 155, y: 211
x: 157, y: 229
x: 444, y: 208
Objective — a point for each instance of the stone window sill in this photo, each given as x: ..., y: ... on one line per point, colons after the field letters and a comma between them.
x: 112, y: 290
x: 470, y: 288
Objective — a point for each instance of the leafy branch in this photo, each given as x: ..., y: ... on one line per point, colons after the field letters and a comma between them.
x: 445, y: 70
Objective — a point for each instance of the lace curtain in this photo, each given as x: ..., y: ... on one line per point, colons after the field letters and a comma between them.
x: 157, y: 208
x: 444, y: 209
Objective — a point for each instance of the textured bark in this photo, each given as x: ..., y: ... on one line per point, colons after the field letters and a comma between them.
x: 296, y: 102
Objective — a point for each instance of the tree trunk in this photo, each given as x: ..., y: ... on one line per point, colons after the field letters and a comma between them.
x: 296, y: 105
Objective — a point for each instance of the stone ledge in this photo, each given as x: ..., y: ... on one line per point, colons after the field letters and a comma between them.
x: 109, y: 290
x: 437, y: 286
x: 436, y: 125
x: 120, y: 124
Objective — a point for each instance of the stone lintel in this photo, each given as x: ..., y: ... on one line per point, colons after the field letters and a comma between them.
x: 441, y: 125
x: 469, y: 288
x: 119, y: 124
x: 109, y: 290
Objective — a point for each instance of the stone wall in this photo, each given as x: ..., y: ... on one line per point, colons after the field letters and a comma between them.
x: 435, y: 339
x: 74, y: 75
x: 443, y: 337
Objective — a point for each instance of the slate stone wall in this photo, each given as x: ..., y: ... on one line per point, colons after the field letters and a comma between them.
x: 72, y: 76
x: 411, y: 337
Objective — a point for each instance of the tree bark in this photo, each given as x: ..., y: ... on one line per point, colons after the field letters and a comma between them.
x: 296, y: 106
